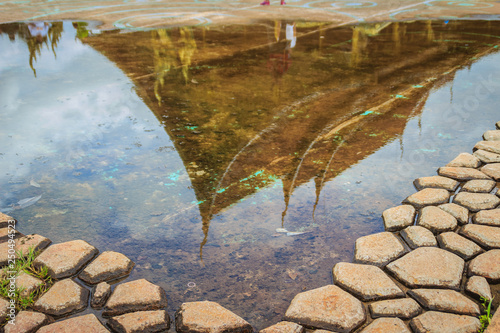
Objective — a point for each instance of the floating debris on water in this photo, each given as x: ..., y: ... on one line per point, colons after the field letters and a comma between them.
x: 23, y: 203
x: 191, y: 284
x: 34, y: 183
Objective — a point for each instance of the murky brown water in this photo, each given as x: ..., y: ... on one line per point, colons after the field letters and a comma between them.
x: 234, y: 163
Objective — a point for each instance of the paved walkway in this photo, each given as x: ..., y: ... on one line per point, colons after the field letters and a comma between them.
x: 155, y: 13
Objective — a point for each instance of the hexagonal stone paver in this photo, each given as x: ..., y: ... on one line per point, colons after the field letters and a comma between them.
x: 328, y: 307
x: 486, y: 236
x: 429, y: 267
x: 397, y: 218
x: 478, y: 286
x: 476, y: 201
x: 445, y: 300
x: 459, y: 245
x: 461, y: 174
x: 492, y: 135
x: 386, y: 325
x: 416, y: 236
x: 81, y: 324
x: 100, y: 295
x: 436, y: 220
x: 109, y: 265
x: 367, y: 282
x: 194, y: 317
x: 138, y: 295
x: 28, y: 322
x: 141, y: 321
x: 486, y: 156
x: 457, y: 211
x: 491, y: 146
x: 488, y: 217
x: 3, y: 307
x: 28, y: 283
x: 486, y: 265
x: 479, y: 186
x: 66, y: 259
x: 441, y: 322
x: 465, y: 160
x: 284, y: 327
x: 378, y: 249
x: 64, y: 297
x: 436, y: 182
x: 428, y: 197
x: 405, y: 308
x: 23, y: 245
x: 492, y: 170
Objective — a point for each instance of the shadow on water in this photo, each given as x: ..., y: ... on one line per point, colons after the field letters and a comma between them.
x: 274, y: 147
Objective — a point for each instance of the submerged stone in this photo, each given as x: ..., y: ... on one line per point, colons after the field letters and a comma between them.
x: 28, y: 322
x: 386, y: 325
x: 378, y: 249
x: 141, y: 321
x: 64, y: 297
x: 486, y: 265
x: 445, y: 300
x: 405, y: 308
x: 441, y: 322
x: 429, y: 267
x: 486, y: 156
x: 367, y: 282
x: 66, y: 259
x: 416, y: 236
x: 138, y: 295
x: 457, y: 211
x: 100, y: 295
x: 479, y: 287
x: 436, y: 182
x: 476, y: 201
x: 459, y: 245
x: 428, y: 197
x: 493, y: 135
x: 328, y: 307
x: 436, y: 220
x: 479, y: 186
x: 465, y: 160
x: 486, y: 236
x: 461, y: 174
x: 81, y: 324
x: 492, y: 170
x: 206, y: 316
x: 400, y: 217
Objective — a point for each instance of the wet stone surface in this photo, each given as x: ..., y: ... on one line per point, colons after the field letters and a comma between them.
x: 405, y: 308
x: 487, y: 156
x: 427, y: 197
x: 476, y: 201
x: 459, y: 245
x: 461, y: 174
x: 416, y: 236
x: 208, y: 316
x: 486, y: 236
x: 109, y: 265
x: 399, y: 217
x: 478, y: 287
x: 436, y: 220
x: 445, y: 301
x: 491, y: 146
x: 429, y: 267
x: 366, y: 282
x: 328, y: 307
x: 64, y: 297
x: 378, y: 249
x: 436, y: 182
x: 66, y: 259
x: 434, y: 322
x: 465, y: 160
x: 100, y: 295
x: 486, y: 265
x: 387, y: 325
x: 457, y: 211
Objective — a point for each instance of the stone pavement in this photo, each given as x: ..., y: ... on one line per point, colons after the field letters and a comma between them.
x: 163, y: 13
x: 419, y: 278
